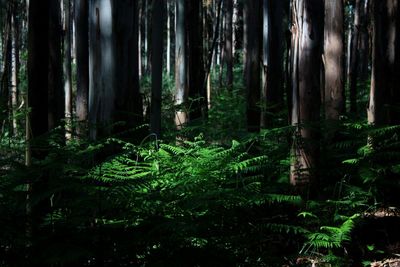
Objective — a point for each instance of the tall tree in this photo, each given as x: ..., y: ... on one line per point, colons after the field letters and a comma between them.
x: 334, y: 96
x: 229, y: 43
x: 67, y: 66
x: 157, y: 58
x: 38, y: 52
x: 82, y: 64
x: 127, y: 102
x: 194, y: 30
x: 353, y: 69
x: 169, y: 36
x: 56, y: 90
x: 273, y: 55
x: 252, y: 63
x: 15, y: 31
x: 307, y: 32
x: 385, y: 65
x: 101, y: 66
x: 181, y: 94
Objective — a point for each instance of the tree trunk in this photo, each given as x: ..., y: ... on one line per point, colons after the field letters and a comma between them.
x: 128, y: 102
x: 169, y: 36
x: 229, y: 43
x: 15, y: 66
x: 56, y: 91
x: 181, y: 94
x: 252, y: 63
x: 82, y: 65
x: 196, y: 91
x: 363, y: 44
x: 38, y: 52
x: 5, y: 71
x: 353, y: 74
x: 273, y: 54
x: 157, y: 58
x: 67, y: 68
x: 384, y: 71
x: 307, y: 47
x: 334, y: 60
x: 101, y: 67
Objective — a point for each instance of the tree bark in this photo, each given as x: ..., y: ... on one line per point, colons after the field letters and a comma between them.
x: 15, y: 66
x: 307, y: 47
x: 384, y: 71
x: 252, y: 63
x: 353, y: 74
x: 67, y: 68
x: 101, y: 67
x: 229, y: 43
x: 196, y: 91
x: 128, y: 101
x: 181, y: 93
x: 157, y: 58
x: 82, y: 65
x: 273, y: 54
x: 334, y: 60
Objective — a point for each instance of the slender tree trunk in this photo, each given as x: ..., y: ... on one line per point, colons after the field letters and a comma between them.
x: 353, y: 77
x: 56, y: 91
x: 67, y: 68
x: 363, y: 44
x: 252, y: 63
x: 157, y: 58
x: 308, y: 33
x: 181, y: 94
x: 229, y: 43
x: 384, y: 71
x: 235, y: 18
x: 196, y: 71
x: 82, y: 65
x: 128, y: 101
x: 15, y: 66
x: 101, y: 67
x: 5, y: 71
x: 334, y: 60
x: 169, y: 36
x: 273, y: 55
x: 38, y: 52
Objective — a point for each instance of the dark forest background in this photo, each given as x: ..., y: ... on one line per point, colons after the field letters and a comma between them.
x: 199, y: 133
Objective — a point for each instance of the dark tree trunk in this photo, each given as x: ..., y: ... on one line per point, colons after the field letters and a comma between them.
x: 363, y: 44
x: 273, y: 54
x: 6, y: 71
x: 67, y: 67
x: 307, y: 41
x: 196, y: 91
x: 334, y: 97
x: 157, y: 58
x: 229, y: 43
x: 82, y: 65
x: 181, y: 94
x: 384, y: 65
x: 56, y: 90
x: 38, y: 52
x: 353, y: 73
x: 252, y: 63
x: 128, y: 101
x: 101, y: 67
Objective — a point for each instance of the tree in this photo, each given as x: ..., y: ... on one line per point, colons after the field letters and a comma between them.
x: 229, y: 43
x: 273, y: 50
x: 56, y: 90
x: 385, y: 64
x: 38, y: 52
x: 67, y: 67
x: 127, y: 105
x: 181, y: 94
x: 252, y: 65
x: 196, y: 91
x: 334, y: 95
x: 353, y: 73
x: 157, y: 58
x: 307, y: 36
x: 15, y: 31
x: 101, y: 67
x: 82, y: 64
